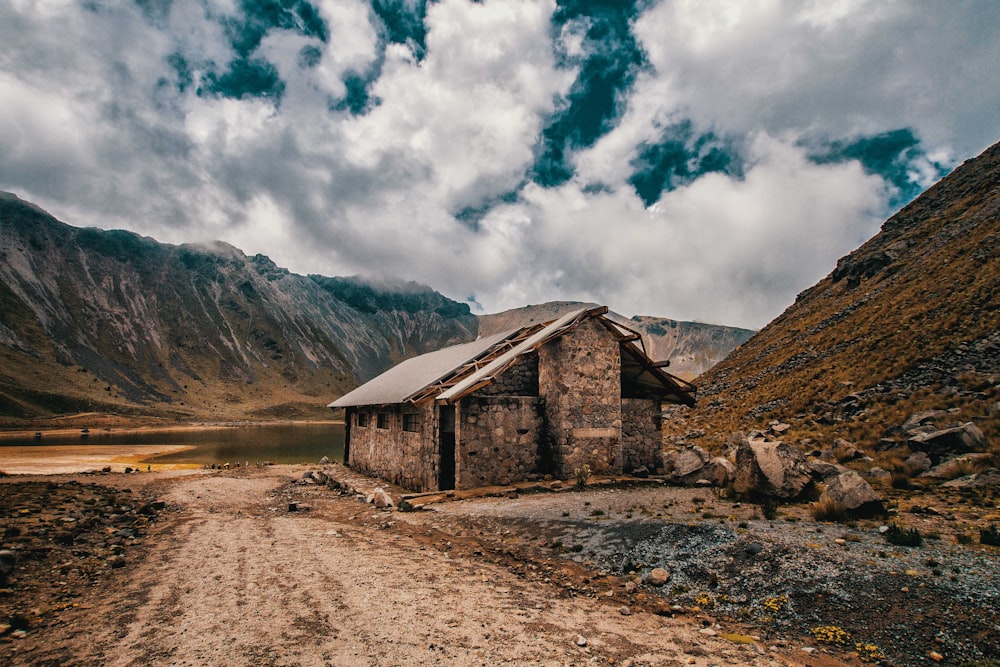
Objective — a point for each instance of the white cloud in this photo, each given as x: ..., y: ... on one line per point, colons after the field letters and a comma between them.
x: 838, y: 69
x: 94, y: 127
x: 720, y: 249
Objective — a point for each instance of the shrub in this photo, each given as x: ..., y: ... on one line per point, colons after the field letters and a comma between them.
x: 704, y: 600
x: 828, y: 510
x: 582, y: 475
x: 903, y: 537
x: 831, y: 634
x: 990, y: 536
x: 966, y: 466
x: 768, y: 507
x: 869, y: 652
x: 775, y: 603
x: 900, y: 480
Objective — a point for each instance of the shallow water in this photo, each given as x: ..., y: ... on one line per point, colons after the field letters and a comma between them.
x: 301, y: 443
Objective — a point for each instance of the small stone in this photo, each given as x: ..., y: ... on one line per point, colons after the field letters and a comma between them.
x: 581, y: 640
x: 808, y: 649
x: 630, y: 587
x: 624, y: 610
x: 19, y: 634
x: 381, y: 499
x: 935, y: 656
x: 658, y: 576
x: 324, y: 461
x: 708, y: 632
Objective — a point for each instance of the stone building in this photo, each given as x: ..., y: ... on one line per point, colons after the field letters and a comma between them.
x: 543, y: 399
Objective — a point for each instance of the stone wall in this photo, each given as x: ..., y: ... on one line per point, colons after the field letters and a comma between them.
x: 579, y: 375
x: 409, y: 459
x: 642, y: 437
x: 497, y: 438
x: 519, y: 379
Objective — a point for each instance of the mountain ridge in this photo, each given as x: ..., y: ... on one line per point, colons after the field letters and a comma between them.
x: 190, y: 330
x: 112, y: 321
x: 909, y: 321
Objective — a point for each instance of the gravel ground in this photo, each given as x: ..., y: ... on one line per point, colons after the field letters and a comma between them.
x: 782, y: 577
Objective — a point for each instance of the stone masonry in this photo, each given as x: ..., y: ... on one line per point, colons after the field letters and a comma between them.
x: 555, y: 409
x: 580, y: 377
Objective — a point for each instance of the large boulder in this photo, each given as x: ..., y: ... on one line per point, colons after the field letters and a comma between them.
x: 771, y: 468
x: 850, y: 491
x: 922, y: 421
x: 959, y: 466
x: 824, y: 469
x: 988, y: 479
x: 959, y: 439
x: 685, y: 465
x: 718, y: 471
x: 918, y: 462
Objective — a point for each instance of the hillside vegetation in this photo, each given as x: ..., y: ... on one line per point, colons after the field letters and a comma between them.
x: 909, y: 321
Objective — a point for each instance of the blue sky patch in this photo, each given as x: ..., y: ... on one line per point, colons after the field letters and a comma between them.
x: 402, y: 22
x: 678, y: 158
x: 246, y: 77
x: 890, y: 155
x: 595, y: 101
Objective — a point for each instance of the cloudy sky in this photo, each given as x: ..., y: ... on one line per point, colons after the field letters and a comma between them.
x: 696, y: 160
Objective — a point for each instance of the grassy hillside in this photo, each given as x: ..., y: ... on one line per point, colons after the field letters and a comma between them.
x: 909, y: 321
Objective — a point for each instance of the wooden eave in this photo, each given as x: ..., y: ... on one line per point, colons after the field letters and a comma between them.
x: 429, y: 392
x: 535, y: 330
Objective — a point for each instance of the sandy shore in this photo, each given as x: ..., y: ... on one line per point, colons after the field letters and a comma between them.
x: 67, y: 459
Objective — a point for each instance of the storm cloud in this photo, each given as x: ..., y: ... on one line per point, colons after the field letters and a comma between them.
x: 699, y: 161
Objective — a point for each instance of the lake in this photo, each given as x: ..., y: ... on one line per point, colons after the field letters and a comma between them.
x: 297, y: 443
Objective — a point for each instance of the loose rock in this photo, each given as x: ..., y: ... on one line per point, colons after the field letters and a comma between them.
x: 658, y: 576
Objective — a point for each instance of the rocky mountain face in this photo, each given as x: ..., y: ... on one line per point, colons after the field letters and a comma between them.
x: 900, y: 340
x: 691, y: 347
x: 110, y: 321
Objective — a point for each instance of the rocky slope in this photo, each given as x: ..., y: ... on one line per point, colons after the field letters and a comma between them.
x: 110, y: 321
x: 910, y: 321
x: 691, y: 347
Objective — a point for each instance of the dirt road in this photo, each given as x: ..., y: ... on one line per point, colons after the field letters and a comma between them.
x: 229, y: 576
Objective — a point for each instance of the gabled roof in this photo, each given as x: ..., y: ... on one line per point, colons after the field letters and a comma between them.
x: 450, y: 374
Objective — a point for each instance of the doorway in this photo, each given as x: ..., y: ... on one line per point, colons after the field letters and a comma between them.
x: 446, y: 447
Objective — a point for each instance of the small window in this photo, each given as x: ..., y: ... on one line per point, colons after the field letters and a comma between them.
x: 363, y: 419
x: 411, y: 422
x: 383, y: 420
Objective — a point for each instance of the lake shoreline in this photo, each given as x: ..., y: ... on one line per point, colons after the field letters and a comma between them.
x: 62, y: 431
x: 160, y: 448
